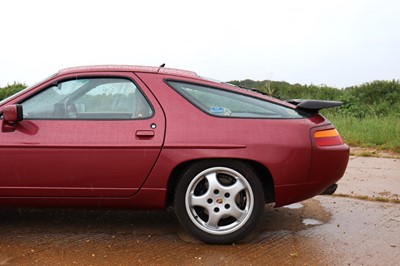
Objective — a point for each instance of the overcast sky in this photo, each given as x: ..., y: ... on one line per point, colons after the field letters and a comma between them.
x: 338, y: 43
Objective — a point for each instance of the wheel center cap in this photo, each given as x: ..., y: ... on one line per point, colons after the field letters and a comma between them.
x: 219, y: 201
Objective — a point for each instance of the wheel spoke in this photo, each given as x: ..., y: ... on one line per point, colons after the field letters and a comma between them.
x: 213, y: 182
x: 237, y: 187
x: 213, y: 220
x: 199, y: 200
x: 237, y: 213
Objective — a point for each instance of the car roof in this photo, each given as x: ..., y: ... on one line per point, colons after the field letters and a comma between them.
x: 129, y: 68
x: 166, y: 71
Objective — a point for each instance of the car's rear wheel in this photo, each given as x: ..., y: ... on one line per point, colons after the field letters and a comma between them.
x: 219, y: 201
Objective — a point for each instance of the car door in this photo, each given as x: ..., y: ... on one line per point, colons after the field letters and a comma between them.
x: 83, y: 135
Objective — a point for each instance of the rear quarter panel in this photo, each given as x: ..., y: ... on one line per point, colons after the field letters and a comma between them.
x: 282, y: 145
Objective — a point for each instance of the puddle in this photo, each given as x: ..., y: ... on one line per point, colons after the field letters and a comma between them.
x: 311, y: 222
x: 293, y: 217
x: 294, y: 206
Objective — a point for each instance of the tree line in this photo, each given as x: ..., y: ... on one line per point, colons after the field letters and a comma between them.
x: 11, y: 89
x: 371, y: 99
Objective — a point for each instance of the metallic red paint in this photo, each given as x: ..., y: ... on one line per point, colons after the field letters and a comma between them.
x: 128, y: 163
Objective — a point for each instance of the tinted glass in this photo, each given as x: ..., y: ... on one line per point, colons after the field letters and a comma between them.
x: 219, y: 102
x: 96, y: 98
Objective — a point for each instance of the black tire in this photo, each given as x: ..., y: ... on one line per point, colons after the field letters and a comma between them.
x: 219, y: 201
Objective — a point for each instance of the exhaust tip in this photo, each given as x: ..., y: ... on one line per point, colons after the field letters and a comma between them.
x: 330, y: 190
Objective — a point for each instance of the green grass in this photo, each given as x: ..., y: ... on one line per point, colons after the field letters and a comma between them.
x: 378, y: 132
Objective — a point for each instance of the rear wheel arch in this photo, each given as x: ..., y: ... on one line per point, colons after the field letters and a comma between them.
x: 219, y: 201
x: 262, y: 172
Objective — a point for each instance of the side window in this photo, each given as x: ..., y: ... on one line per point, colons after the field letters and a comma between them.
x: 220, y: 102
x: 92, y: 99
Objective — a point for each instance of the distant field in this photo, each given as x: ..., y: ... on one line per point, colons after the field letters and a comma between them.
x: 377, y: 132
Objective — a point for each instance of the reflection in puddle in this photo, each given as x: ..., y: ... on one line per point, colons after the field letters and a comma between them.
x: 294, y: 206
x: 311, y: 222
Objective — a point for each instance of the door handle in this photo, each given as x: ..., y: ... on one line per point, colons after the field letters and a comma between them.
x: 145, y: 134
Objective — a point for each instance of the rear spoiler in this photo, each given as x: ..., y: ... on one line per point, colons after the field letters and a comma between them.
x: 314, y: 105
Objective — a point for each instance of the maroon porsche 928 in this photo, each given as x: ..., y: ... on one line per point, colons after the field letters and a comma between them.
x: 152, y: 137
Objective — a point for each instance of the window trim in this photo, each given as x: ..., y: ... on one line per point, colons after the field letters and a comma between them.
x: 90, y: 76
x: 302, y: 114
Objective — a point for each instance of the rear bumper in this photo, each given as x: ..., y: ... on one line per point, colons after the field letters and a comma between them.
x: 288, y: 194
x: 328, y: 165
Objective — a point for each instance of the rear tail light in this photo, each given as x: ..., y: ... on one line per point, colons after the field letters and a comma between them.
x: 328, y: 137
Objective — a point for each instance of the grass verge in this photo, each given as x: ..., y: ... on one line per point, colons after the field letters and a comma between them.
x: 375, y: 132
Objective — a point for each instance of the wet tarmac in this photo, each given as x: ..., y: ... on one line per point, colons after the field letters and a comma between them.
x: 326, y: 230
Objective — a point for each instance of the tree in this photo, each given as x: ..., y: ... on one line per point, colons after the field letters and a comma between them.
x: 11, y: 89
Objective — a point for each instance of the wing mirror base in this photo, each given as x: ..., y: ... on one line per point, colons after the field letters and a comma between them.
x: 12, y: 114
